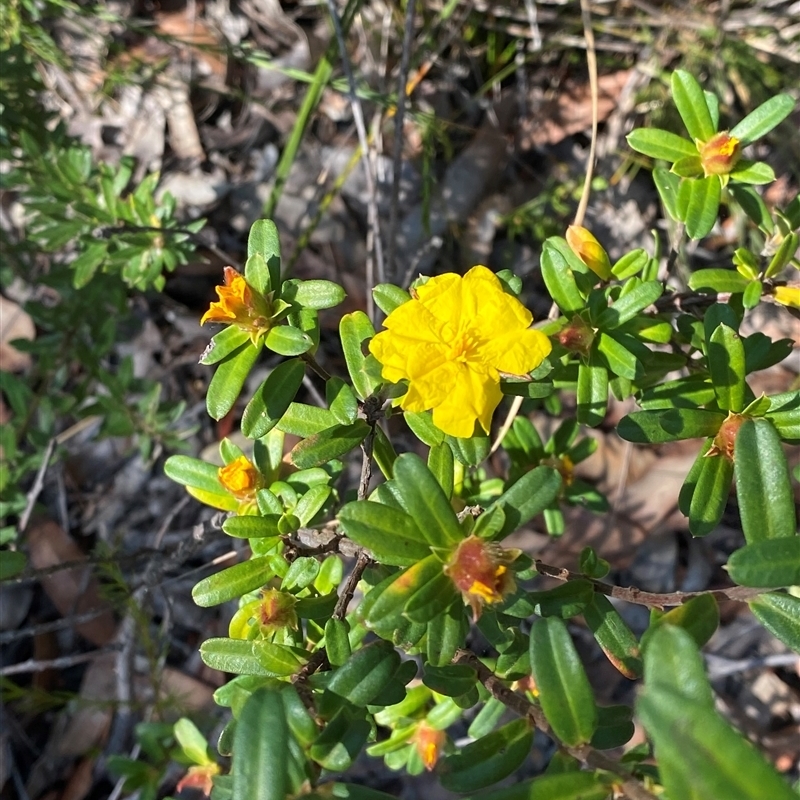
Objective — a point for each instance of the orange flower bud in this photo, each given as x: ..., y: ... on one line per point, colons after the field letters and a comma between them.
x: 276, y: 611
x: 240, y: 305
x: 480, y: 572
x: 787, y: 296
x: 429, y: 743
x: 589, y: 250
x: 719, y: 154
x: 240, y: 478
x: 199, y: 777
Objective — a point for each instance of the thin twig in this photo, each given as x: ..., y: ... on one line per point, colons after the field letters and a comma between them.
x: 40, y: 665
x: 316, y: 366
x: 591, y: 60
x: 397, y: 155
x: 631, y: 594
x: 36, y: 489
x: 372, y: 195
x: 50, y: 627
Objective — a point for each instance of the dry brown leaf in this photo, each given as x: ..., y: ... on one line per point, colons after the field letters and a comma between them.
x: 72, y: 591
x: 80, y: 782
x: 185, y: 692
x: 14, y: 324
x: 571, y: 111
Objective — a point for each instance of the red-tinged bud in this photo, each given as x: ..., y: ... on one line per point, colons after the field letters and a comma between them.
x: 565, y: 467
x: 719, y: 154
x: 527, y: 684
x: 577, y: 337
x: 725, y: 439
x: 589, y: 250
x: 199, y: 777
x: 429, y: 743
x: 276, y: 611
x: 480, y: 571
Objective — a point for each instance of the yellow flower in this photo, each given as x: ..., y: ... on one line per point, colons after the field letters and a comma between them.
x: 787, y: 296
x: 584, y: 244
x: 239, y: 305
x: 480, y: 572
x: 452, y: 341
x: 240, y: 478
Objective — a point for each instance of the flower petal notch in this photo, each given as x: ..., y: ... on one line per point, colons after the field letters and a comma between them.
x: 452, y: 341
x: 240, y: 305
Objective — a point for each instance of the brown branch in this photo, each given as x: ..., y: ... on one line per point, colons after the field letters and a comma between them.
x: 740, y: 594
x: 40, y: 665
x: 522, y: 706
x: 685, y: 301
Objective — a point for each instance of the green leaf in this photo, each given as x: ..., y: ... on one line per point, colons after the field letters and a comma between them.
x: 780, y: 614
x: 232, y: 582
x: 314, y: 294
x: 718, y: 280
x: 614, y: 727
x: 388, y: 297
x: 191, y: 741
x: 725, y: 358
x: 689, y: 167
x: 691, y: 104
x: 252, y: 527
x: 303, y: 420
x: 340, y: 742
x: 669, y: 425
x: 189, y: 471
x: 753, y: 205
x: 488, y: 760
x: 532, y: 389
x: 701, y: 756
x: 446, y: 633
x: 698, y: 200
x: 658, y: 143
x: 337, y: 642
x: 391, y: 535
x: 272, y: 398
x: 450, y: 680
x: 264, y: 242
x: 421, y: 424
x: 228, y: 380
x: 87, y: 263
x: 472, y: 451
x: 223, y: 344
x: 426, y: 601
x: 261, y: 749
x: 286, y: 340
x: 783, y: 255
x: 566, y: 696
x: 752, y: 294
x: 441, y: 463
x: 592, y: 393
x: 279, y: 661
x: 766, y: 502
x: 630, y: 304
x: 712, y: 487
x: 752, y: 172
x: 699, y: 617
x: 365, y: 673
x: 771, y: 563
x: 341, y: 400
x: 329, y: 444
x: 530, y: 495
x: 614, y: 636
x: 560, y: 281
x: 630, y: 264
x: 621, y: 361
x: 567, y: 600
x: 232, y: 655
x: 426, y: 502
x: 668, y: 184
x: 354, y: 330
x: 12, y: 562
x: 763, y: 119
x: 390, y: 600
x: 564, y: 786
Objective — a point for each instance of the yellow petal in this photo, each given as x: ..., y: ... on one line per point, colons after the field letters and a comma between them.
x: 788, y: 295
x: 518, y: 352
x: 473, y: 397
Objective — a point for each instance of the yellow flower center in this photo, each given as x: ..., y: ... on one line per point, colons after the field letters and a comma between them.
x: 464, y: 348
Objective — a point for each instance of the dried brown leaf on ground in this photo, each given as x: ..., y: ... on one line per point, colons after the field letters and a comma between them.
x: 15, y: 324
x: 571, y: 111
x: 73, y: 590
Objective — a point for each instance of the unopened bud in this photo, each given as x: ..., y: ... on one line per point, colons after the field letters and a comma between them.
x: 577, y: 336
x: 589, y: 250
x: 429, y: 743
